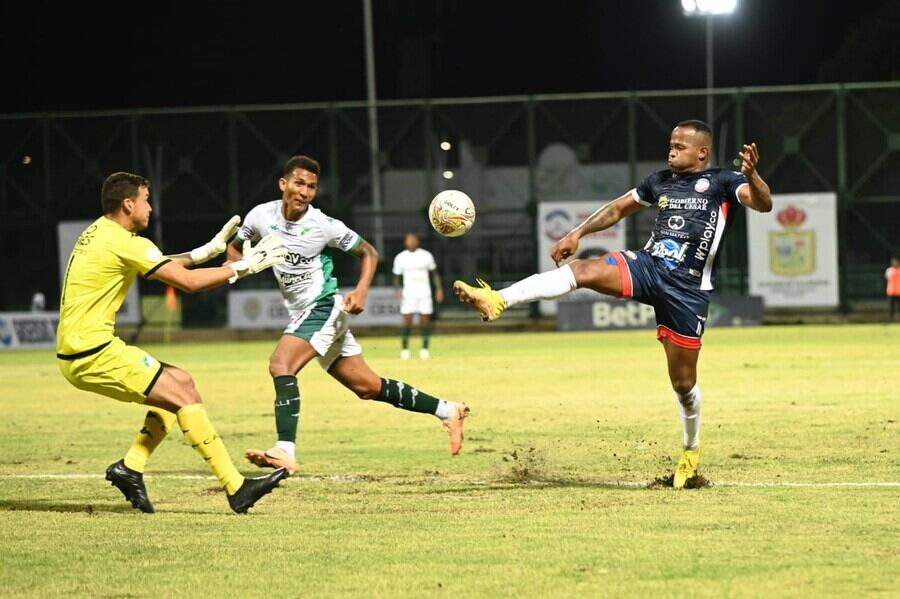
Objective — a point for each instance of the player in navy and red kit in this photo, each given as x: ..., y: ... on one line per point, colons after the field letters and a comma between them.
x: 675, y: 270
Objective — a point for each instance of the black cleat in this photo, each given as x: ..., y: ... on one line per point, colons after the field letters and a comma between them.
x: 253, y: 489
x: 131, y: 483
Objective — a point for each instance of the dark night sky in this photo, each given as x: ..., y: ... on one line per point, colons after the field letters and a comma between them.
x: 198, y: 53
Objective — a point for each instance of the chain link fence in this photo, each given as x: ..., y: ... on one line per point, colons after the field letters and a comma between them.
x: 508, y: 153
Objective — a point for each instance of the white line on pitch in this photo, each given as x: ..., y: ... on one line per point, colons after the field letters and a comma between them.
x: 349, y: 478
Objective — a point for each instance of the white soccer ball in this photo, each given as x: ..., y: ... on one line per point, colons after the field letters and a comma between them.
x: 452, y: 213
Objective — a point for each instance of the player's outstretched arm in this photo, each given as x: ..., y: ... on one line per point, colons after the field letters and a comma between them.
x: 212, y: 248
x: 268, y: 252
x: 355, y: 301
x: 604, y: 218
x: 755, y: 194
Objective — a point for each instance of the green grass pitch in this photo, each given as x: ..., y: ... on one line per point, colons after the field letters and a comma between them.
x: 801, y: 442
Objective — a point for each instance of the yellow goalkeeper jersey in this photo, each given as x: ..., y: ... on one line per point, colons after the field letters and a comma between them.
x: 102, y: 267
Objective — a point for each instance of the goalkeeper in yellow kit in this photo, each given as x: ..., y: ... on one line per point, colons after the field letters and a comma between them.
x: 103, y: 265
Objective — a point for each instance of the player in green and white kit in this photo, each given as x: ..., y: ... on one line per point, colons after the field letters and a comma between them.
x: 319, y: 323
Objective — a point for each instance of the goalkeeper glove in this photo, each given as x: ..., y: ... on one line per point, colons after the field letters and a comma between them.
x: 268, y: 252
x: 218, y: 243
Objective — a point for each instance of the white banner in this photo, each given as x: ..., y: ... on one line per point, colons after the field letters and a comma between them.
x: 264, y: 309
x: 793, y: 251
x: 67, y: 233
x: 256, y: 309
x: 22, y: 330
x: 555, y: 219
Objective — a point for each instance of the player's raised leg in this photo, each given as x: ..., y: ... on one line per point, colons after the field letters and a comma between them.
x: 682, y: 365
x: 600, y: 274
x: 290, y: 356
x: 355, y: 374
x: 174, y: 391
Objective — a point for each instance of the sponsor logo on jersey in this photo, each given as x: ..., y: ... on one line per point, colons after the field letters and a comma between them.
x: 153, y: 254
x: 691, y: 203
x: 670, y: 252
x: 676, y: 222
x: 289, y: 278
x: 701, y: 185
x: 347, y: 240
x: 706, y: 237
x: 295, y: 259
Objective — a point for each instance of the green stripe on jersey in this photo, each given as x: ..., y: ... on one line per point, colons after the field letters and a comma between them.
x: 329, y: 283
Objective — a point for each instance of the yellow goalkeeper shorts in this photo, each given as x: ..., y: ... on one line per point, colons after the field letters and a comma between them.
x: 116, y: 370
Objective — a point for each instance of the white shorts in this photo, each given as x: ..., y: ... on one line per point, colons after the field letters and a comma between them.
x: 416, y: 305
x: 326, y: 327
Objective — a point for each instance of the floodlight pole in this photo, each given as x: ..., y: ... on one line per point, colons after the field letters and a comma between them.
x: 710, y: 114
x: 374, y: 168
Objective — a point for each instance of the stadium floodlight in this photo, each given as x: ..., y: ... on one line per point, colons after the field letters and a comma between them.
x: 448, y: 174
x: 709, y: 9
x: 446, y: 145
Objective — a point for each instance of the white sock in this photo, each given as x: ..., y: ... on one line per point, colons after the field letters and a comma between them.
x: 444, y: 409
x: 689, y: 408
x: 542, y: 286
x: 287, y: 447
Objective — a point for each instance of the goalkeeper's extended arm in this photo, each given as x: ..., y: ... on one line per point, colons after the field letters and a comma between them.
x: 217, y: 244
x: 268, y: 252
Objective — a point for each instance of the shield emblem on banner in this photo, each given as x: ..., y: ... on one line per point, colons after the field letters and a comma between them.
x: 792, y: 252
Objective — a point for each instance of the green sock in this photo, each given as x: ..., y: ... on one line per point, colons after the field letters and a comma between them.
x: 287, y: 407
x: 426, y: 336
x: 406, y: 397
x: 404, y: 337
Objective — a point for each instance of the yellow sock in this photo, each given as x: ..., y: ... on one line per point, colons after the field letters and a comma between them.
x: 199, y: 432
x: 157, y: 424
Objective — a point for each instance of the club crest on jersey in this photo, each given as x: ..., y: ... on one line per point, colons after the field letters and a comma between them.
x: 701, y: 185
x: 663, y: 202
x: 670, y: 252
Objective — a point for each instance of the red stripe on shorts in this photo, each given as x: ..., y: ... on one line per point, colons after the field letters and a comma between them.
x: 663, y: 332
x: 624, y: 273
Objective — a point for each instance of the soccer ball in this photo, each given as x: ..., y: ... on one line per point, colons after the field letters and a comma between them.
x: 451, y: 213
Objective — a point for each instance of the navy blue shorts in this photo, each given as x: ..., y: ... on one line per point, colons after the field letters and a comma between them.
x: 680, y: 310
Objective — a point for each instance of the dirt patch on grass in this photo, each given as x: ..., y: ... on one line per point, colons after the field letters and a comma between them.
x: 526, y: 464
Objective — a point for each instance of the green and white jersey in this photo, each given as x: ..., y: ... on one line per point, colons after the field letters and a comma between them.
x: 306, y: 275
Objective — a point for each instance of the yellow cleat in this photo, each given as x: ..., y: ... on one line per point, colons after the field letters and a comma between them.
x: 486, y: 301
x: 688, y: 466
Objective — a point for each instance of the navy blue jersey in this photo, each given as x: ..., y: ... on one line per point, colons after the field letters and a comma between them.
x: 693, y: 211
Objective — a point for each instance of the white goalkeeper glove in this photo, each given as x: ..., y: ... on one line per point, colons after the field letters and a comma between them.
x: 217, y: 244
x: 268, y: 252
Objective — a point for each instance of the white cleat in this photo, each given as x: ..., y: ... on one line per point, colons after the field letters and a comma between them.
x: 404, y: 355
x: 424, y: 354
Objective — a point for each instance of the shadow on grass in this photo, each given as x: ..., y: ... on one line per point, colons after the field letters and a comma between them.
x: 96, y: 508
x: 73, y: 507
